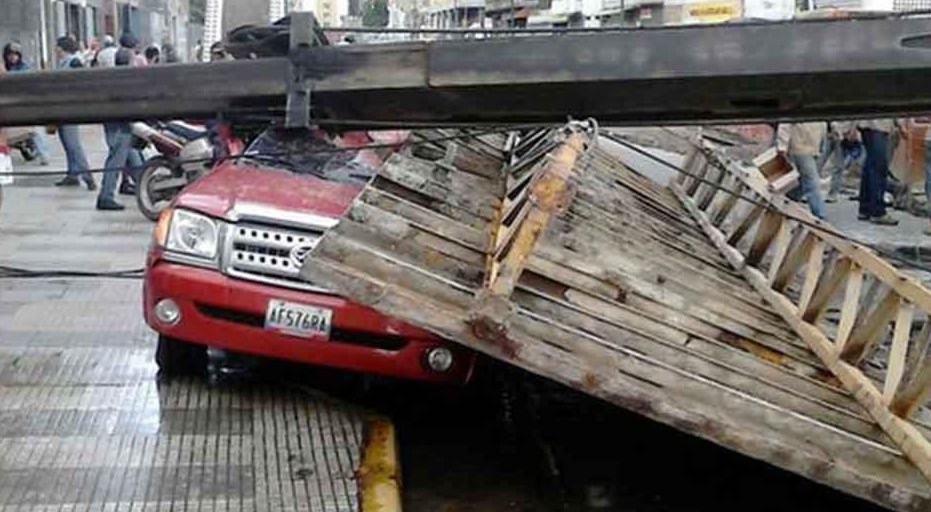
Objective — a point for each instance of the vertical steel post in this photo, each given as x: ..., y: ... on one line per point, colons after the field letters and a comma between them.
x: 299, y: 84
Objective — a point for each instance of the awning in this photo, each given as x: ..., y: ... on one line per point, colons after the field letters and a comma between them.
x: 547, y: 18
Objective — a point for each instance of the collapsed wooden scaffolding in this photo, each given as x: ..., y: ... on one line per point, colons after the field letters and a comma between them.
x: 687, y: 304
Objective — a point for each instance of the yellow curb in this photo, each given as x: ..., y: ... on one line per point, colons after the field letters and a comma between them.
x: 379, y: 475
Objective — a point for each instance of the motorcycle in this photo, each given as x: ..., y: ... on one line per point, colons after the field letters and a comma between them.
x: 24, y: 141
x: 185, y: 153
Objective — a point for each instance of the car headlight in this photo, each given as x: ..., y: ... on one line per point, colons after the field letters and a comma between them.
x: 194, y: 234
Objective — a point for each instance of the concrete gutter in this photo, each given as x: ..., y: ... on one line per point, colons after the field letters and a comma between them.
x: 379, y: 475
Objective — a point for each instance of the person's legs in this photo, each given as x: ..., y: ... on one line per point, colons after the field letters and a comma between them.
x: 874, y: 177
x: 41, y: 145
x: 841, y: 164
x: 866, y: 173
x: 70, y: 142
x: 118, y: 151
x: 807, y: 168
x: 880, y: 175
x: 928, y: 174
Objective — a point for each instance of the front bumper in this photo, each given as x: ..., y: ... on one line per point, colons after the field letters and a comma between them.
x: 222, y: 312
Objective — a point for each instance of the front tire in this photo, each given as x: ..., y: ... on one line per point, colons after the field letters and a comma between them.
x: 176, y: 357
x: 151, y: 199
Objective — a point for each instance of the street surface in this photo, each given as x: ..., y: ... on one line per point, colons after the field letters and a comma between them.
x: 84, y: 420
x: 85, y: 423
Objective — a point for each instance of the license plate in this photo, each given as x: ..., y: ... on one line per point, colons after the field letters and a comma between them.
x: 298, y: 319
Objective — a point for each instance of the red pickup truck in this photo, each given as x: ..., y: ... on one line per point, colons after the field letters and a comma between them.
x: 223, y: 268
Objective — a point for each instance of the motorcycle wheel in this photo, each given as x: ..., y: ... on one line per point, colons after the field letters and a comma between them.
x: 152, y: 195
x: 28, y: 150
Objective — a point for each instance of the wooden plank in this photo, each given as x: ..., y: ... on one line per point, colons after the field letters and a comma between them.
x: 777, y: 388
x: 812, y: 275
x: 849, y: 310
x: 780, y: 250
x: 744, y: 226
x: 686, y: 313
x: 372, y: 201
x: 679, y: 332
x: 917, y: 378
x: 896, y: 366
x: 551, y: 192
x: 909, y: 439
x: 826, y: 289
x: 866, y: 334
x: 797, y: 256
x: 765, y: 234
x: 727, y: 206
x: 465, y: 217
x: 420, y: 176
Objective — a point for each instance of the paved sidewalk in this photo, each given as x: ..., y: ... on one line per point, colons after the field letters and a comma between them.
x: 84, y: 422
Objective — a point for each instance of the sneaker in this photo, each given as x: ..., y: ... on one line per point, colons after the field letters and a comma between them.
x: 127, y: 189
x: 68, y: 181
x: 831, y: 198
x: 885, y: 220
x: 112, y: 206
x: 860, y: 216
x: 91, y: 184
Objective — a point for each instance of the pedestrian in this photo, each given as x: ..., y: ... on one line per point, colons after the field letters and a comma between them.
x: 105, y: 58
x: 6, y: 162
x: 152, y: 55
x: 199, y: 51
x: 169, y: 55
x: 130, y: 42
x: 218, y: 52
x: 842, y: 151
x: 66, y: 49
x: 801, y: 144
x: 93, y: 47
x: 14, y: 62
x: 875, y: 135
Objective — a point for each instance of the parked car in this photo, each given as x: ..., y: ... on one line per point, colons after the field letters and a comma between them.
x: 223, y: 269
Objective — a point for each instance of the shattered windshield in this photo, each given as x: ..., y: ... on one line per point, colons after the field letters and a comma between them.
x: 304, y: 152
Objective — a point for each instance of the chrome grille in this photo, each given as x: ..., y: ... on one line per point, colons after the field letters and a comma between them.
x: 267, y: 254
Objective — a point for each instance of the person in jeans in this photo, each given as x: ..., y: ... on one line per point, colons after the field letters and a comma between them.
x: 119, y: 144
x: 874, y: 175
x: 801, y: 144
x: 842, y: 151
x: 66, y: 49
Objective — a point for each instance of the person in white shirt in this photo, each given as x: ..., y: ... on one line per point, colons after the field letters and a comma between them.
x: 106, y: 57
x: 801, y: 144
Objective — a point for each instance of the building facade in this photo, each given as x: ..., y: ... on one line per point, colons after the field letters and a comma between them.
x: 35, y: 24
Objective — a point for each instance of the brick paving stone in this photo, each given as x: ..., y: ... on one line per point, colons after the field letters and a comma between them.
x: 85, y: 424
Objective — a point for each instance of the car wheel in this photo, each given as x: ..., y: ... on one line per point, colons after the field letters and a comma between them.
x: 176, y: 357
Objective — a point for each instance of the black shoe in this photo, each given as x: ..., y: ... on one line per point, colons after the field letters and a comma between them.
x: 68, y: 181
x: 112, y: 206
x: 860, y: 216
x: 127, y: 189
x: 91, y: 185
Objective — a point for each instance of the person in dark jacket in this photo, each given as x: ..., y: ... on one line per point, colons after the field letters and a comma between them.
x: 66, y: 49
x: 14, y: 62
x: 13, y: 58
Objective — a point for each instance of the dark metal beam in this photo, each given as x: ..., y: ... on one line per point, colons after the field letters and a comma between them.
x: 719, y: 73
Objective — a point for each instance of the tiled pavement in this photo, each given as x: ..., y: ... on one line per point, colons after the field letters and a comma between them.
x: 84, y: 422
